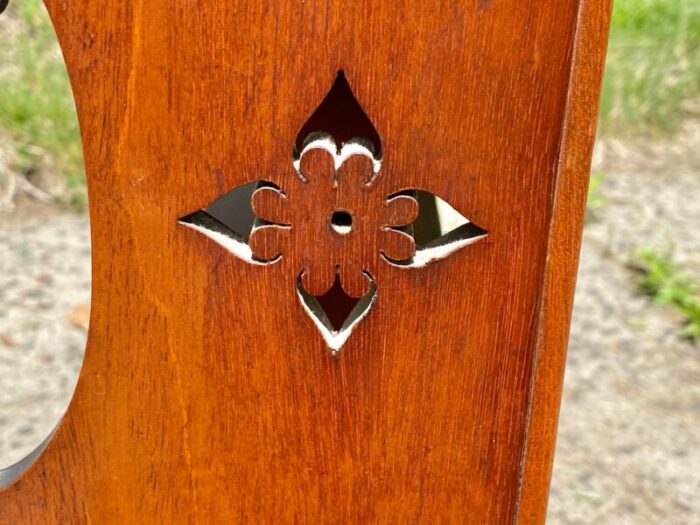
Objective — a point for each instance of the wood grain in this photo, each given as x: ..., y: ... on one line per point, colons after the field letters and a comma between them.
x: 206, y: 395
x: 566, y: 228
x: 311, y: 244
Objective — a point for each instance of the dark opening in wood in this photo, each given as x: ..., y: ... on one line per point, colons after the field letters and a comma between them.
x: 341, y: 222
x: 337, y: 304
x: 341, y: 116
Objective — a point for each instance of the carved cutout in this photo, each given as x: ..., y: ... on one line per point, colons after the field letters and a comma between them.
x: 338, y: 216
x: 335, y: 314
x: 438, y: 231
x: 341, y: 118
x: 341, y: 222
x: 230, y: 221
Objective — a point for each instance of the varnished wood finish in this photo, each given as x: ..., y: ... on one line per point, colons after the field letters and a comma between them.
x: 207, y: 396
x: 312, y: 245
x: 565, y: 231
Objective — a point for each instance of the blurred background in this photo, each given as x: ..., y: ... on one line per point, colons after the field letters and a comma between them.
x: 629, y: 437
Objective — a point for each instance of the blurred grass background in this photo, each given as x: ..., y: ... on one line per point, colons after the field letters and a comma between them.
x: 652, y: 83
x: 652, y: 79
x: 37, y: 113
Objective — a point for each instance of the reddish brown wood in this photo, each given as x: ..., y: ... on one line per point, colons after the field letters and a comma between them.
x: 311, y: 244
x: 207, y: 396
x: 565, y: 231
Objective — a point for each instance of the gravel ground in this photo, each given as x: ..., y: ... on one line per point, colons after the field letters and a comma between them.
x: 651, y: 193
x: 629, y: 430
x: 630, y: 427
x: 44, y: 286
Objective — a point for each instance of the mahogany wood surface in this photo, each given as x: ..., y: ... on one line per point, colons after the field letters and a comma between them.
x: 206, y: 394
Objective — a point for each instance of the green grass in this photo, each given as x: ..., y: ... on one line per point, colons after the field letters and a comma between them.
x: 595, y: 200
x: 37, y: 111
x: 662, y: 281
x: 652, y: 78
x: 653, y: 67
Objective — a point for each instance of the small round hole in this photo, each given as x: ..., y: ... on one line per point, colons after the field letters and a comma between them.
x: 341, y: 222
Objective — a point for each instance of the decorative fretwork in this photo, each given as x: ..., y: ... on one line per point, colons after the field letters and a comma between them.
x: 335, y: 220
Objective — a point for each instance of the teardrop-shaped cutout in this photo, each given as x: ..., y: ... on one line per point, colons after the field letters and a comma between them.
x: 230, y: 220
x: 439, y: 230
x: 335, y: 313
x: 341, y: 117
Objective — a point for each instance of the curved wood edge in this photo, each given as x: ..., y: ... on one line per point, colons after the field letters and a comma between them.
x: 564, y: 244
x: 12, y: 473
x: 11, y: 476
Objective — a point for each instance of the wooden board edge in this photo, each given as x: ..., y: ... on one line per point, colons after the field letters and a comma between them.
x: 564, y: 243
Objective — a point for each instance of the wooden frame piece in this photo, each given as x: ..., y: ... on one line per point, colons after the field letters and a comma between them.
x: 207, y: 393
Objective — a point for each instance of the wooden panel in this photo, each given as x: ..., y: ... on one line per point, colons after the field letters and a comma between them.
x: 207, y: 395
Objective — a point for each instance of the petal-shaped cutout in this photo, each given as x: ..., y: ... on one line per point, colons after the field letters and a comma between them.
x: 230, y: 220
x: 269, y: 204
x: 402, y: 209
x: 353, y: 280
x: 341, y: 117
x: 323, y: 141
x: 318, y: 277
x: 356, y: 169
x: 336, y: 314
x: 397, y: 245
x: 317, y: 167
x: 269, y: 242
x: 438, y: 231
